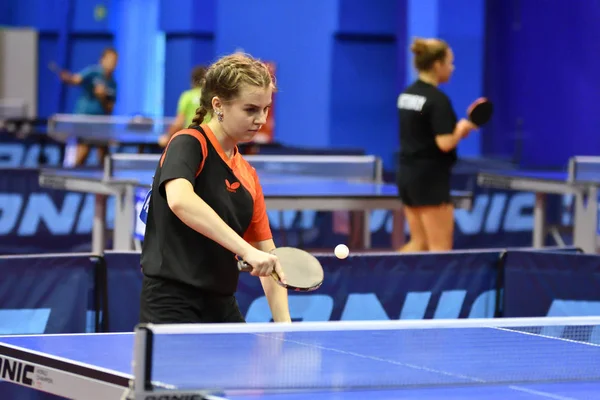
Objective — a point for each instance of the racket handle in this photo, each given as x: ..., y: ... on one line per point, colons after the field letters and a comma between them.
x: 243, y: 266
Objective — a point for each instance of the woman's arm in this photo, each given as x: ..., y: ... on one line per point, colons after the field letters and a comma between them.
x: 277, y: 296
x: 195, y: 213
x: 448, y: 133
x: 449, y: 141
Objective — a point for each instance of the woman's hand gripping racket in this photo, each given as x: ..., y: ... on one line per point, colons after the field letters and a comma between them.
x: 480, y: 111
x: 303, y: 272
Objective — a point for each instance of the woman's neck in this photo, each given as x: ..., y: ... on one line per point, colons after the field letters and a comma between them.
x: 428, y: 78
x: 227, y: 144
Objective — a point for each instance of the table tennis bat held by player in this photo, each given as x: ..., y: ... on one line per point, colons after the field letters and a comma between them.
x: 480, y: 112
x: 303, y: 271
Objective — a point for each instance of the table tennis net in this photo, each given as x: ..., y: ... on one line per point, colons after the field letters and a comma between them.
x: 377, y: 355
x: 351, y: 168
x: 585, y: 169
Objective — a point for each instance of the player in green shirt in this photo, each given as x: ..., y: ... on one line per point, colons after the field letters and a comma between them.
x: 188, y: 102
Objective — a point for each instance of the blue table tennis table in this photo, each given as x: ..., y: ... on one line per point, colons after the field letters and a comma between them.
x: 518, y: 358
x: 581, y: 180
x: 106, y: 130
x: 321, y: 183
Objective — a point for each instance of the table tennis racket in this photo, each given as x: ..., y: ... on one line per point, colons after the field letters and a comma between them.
x: 61, y: 73
x: 303, y: 272
x: 480, y: 111
x: 53, y: 66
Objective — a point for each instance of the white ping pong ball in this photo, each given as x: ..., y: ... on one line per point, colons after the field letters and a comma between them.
x: 341, y: 251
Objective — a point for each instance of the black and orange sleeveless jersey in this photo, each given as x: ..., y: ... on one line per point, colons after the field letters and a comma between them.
x: 174, y: 251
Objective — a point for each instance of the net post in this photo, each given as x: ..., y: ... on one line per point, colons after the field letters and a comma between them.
x: 142, y: 359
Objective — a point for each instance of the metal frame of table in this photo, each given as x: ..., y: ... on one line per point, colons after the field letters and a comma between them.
x: 585, y: 196
x: 124, y: 192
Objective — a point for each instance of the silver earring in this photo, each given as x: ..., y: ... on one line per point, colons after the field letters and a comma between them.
x: 219, y: 115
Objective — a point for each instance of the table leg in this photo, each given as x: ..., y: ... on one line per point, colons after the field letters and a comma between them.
x: 586, y: 220
x: 124, y: 220
x: 356, y: 237
x: 539, y: 220
x: 99, y: 226
x: 366, y: 232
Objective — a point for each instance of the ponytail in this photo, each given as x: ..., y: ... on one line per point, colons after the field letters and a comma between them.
x: 199, y: 117
x: 427, y: 52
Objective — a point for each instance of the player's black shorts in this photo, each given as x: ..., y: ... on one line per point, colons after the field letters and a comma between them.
x: 169, y: 302
x: 418, y: 186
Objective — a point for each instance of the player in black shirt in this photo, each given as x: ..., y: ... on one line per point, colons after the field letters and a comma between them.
x: 207, y: 206
x: 429, y: 134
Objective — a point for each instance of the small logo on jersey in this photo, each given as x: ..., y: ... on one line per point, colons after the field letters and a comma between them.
x: 145, y: 207
x: 232, y: 187
x: 411, y: 102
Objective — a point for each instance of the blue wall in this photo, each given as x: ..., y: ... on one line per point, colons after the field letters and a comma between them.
x: 71, y: 34
x: 542, y: 71
x: 137, y: 40
x: 364, y: 77
x: 336, y: 61
x: 298, y: 37
x: 341, y: 64
x: 189, y: 29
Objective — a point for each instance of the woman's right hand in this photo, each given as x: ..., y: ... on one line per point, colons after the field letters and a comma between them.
x: 262, y: 263
x: 464, y: 127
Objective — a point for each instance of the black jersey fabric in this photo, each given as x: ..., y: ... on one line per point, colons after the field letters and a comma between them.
x: 175, y: 252
x: 424, y: 170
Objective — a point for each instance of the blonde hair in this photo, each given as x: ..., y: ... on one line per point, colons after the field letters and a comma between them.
x: 427, y: 52
x: 225, y: 78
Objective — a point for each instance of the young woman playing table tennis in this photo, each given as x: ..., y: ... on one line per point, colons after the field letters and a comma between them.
x: 207, y: 206
x: 429, y: 134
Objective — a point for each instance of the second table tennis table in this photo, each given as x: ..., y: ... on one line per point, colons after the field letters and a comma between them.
x: 512, y: 358
x: 581, y: 180
x: 320, y: 183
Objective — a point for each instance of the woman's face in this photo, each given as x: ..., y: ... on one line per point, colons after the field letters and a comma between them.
x: 445, y: 68
x: 109, y: 61
x: 247, y: 113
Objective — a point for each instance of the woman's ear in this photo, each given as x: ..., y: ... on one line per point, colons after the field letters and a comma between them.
x: 216, y: 103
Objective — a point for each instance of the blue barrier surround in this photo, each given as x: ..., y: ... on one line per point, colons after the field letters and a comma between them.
x: 458, y: 284
x: 35, y: 288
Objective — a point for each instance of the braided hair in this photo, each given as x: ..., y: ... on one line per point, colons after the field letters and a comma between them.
x: 225, y: 78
